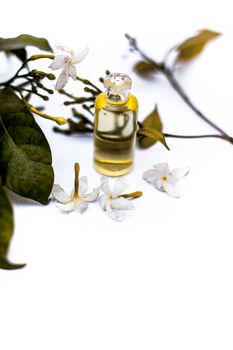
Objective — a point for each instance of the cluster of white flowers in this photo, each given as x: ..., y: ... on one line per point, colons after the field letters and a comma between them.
x: 112, y: 199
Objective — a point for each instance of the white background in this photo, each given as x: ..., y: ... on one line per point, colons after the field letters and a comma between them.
x: 162, y: 279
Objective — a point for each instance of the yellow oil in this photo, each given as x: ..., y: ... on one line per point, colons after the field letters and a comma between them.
x: 114, y: 135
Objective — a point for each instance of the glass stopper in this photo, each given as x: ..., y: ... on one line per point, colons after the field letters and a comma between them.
x: 117, y: 86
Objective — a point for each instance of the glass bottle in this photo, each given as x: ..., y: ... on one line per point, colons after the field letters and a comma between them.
x: 115, y: 126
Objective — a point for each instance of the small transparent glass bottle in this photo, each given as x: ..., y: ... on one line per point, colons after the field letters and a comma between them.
x: 115, y: 126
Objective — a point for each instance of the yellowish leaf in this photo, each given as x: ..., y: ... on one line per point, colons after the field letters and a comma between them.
x: 144, y: 68
x: 151, y: 121
x: 193, y: 46
x: 153, y: 134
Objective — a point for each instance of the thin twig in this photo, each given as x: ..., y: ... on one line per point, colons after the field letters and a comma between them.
x: 88, y: 82
x: 161, y: 67
x: 195, y: 136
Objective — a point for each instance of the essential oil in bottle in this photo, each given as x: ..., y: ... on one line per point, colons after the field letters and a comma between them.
x: 115, y: 126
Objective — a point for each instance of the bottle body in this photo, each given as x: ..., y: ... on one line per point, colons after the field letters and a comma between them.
x: 115, y: 130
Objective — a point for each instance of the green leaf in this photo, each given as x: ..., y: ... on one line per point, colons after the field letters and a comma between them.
x: 20, y: 54
x: 22, y: 41
x: 144, y: 68
x: 6, y: 231
x: 193, y: 46
x: 25, y: 156
x: 153, y: 134
x: 151, y: 121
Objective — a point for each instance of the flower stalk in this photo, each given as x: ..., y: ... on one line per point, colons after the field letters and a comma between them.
x: 58, y: 120
x: 136, y: 194
x: 76, y: 180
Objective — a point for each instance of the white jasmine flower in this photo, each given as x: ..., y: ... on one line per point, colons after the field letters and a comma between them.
x: 67, y: 64
x: 79, y: 199
x: 113, y: 201
x: 164, y: 179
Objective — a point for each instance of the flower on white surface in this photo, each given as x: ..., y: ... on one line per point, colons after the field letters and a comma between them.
x: 67, y: 64
x: 79, y: 199
x: 164, y: 179
x: 113, y: 201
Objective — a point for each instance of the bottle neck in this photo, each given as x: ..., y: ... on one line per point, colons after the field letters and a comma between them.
x: 116, y: 97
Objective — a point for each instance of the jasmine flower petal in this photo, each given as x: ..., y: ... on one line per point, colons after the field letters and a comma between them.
x: 59, y: 194
x: 150, y: 175
x: 121, y: 204
x: 161, y: 168
x: 80, y: 57
x: 82, y: 206
x: 158, y: 183
x: 59, y: 62
x: 119, y: 186
x: 178, y: 174
x: 63, y: 78
x: 66, y: 49
x: 117, y: 215
x: 104, y: 186
x: 171, y: 189
x: 103, y: 200
x: 83, y: 185
x: 72, y: 72
x: 67, y: 207
x: 91, y: 197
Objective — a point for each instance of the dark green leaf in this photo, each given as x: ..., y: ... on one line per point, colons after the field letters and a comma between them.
x: 20, y: 53
x: 144, y: 68
x: 22, y: 41
x: 6, y: 231
x: 193, y: 46
x: 153, y: 134
x: 151, y: 121
x: 25, y: 156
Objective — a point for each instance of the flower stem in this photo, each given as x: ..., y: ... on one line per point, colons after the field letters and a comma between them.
x: 32, y: 58
x: 88, y: 82
x: 76, y: 179
x: 58, y: 120
x: 88, y: 109
x: 136, y: 194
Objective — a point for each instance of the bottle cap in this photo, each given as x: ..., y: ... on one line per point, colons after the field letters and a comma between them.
x: 118, y: 86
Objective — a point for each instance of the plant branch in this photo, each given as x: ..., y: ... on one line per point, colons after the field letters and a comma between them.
x: 162, y: 68
x: 32, y: 58
x: 88, y: 82
x: 223, y: 137
x: 174, y: 83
